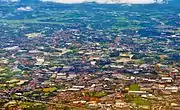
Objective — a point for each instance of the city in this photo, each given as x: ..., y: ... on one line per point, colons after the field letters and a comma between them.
x: 89, y: 56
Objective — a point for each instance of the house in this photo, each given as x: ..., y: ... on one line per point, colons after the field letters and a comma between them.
x: 92, y: 104
x: 40, y: 61
x: 172, y: 89
x: 76, y: 88
x: 167, y: 79
x: 79, y: 87
x: 120, y: 104
x: 123, y: 60
x: 137, y: 92
x: 61, y: 77
x: 81, y: 101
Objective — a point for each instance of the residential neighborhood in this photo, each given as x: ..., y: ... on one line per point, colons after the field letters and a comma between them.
x: 89, y: 57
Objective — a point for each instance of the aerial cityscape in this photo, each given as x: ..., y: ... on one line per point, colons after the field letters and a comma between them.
x: 89, y: 56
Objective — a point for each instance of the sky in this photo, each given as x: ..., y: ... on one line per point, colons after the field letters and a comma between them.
x: 99, y: 1
x: 104, y: 1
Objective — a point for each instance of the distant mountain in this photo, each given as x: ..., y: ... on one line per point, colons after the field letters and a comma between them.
x: 28, y: 1
x: 24, y: 1
x: 175, y: 1
x: 8, y: 0
x: 99, y: 1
